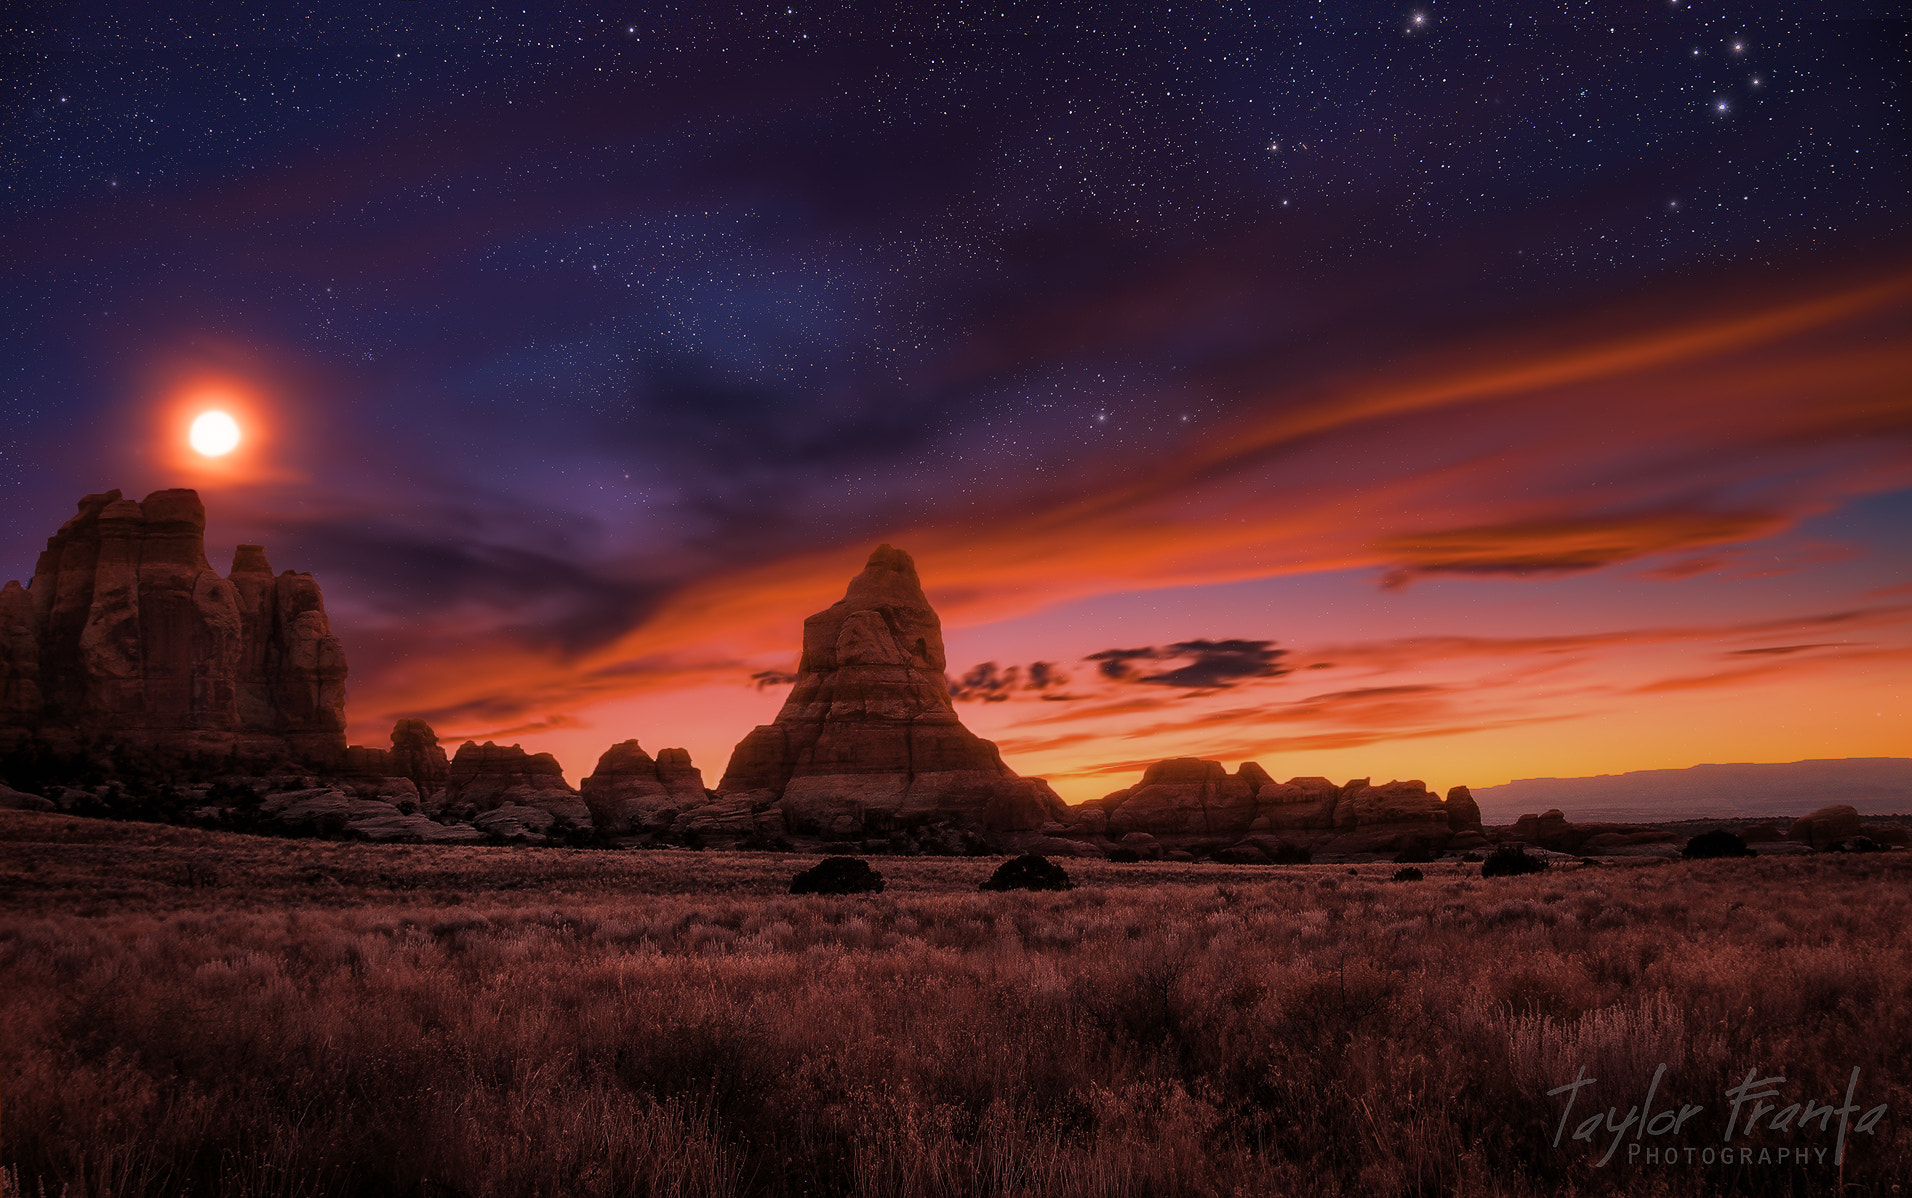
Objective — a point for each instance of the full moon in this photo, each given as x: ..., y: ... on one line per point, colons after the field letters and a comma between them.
x: 214, y: 434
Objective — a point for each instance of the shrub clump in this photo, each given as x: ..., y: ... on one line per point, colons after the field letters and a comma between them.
x: 838, y: 875
x: 1408, y: 874
x: 1031, y: 871
x: 1124, y: 856
x: 1717, y: 843
x: 1510, y: 860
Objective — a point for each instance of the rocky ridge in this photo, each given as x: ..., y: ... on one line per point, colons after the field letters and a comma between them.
x: 128, y: 656
x: 1198, y: 807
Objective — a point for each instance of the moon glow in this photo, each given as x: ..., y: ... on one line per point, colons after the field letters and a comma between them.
x: 214, y: 434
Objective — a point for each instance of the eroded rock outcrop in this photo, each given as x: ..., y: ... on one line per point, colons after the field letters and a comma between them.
x: 1826, y: 826
x: 630, y: 792
x: 415, y: 756
x: 868, y: 740
x: 128, y: 646
x: 487, y: 777
x: 1247, y: 816
x: 1552, y: 830
x: 1185, y: 796
x: 333, y: 811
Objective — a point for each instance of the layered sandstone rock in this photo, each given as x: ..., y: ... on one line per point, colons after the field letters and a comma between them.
x: 1463, y: 813
x: 868, y: 740
x: 337, y: 811
x: 127, y: 644
x: 752, y: 817
x: 1826, y: 826
x: 1194, y: 803
x: 415, y: 756
x: 1299, y: 805
x: 1185, y: 796
x: 1552, y: 830
x: 489, y: 776
x: 631, y: 793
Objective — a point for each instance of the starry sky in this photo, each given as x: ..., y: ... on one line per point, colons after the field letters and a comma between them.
x: 1448, y: 391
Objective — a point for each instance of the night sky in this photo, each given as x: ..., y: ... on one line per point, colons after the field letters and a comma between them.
x: 1442, y: 391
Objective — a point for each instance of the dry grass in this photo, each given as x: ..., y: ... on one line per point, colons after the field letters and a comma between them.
x: 187, y: 1012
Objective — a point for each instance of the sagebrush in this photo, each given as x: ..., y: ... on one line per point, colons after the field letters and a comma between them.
x: 208, y: 1014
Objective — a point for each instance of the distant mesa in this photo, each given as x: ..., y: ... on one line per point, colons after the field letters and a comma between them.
x: 126, y: 647
x: 868, y: 742
x: 1745, y: 790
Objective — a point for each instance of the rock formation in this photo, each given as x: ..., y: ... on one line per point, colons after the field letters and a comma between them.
x: 415, y: 756
x: 1184, y: 796
x: 336, y: 811
x: 1552, y: 830
x: 1826, y: 826
x: 128, y: 646
x: 488, y: 777
x: 868, y: 740
x: 1194, y: 803
x: 19, y: 800
x: 630, y: 793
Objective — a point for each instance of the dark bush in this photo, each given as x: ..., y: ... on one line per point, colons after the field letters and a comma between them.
x: 1717, y: 843
x: 1292, y: 854
x: 1124, y: 856
x: 838, y: 875
x: 1408, y: 874
x: 1031, y: 871
x: 1510, y: 860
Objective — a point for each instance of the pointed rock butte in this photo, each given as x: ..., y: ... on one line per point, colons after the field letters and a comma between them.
x: 868, y: 741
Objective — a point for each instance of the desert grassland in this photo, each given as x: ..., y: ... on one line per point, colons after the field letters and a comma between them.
x: 194, y: 1013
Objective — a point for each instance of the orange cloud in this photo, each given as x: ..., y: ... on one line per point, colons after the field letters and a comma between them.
x: 1564, y: 545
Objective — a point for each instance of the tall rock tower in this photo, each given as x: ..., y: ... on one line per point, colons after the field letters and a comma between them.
x: 128, y: 643
x: 868, y: 740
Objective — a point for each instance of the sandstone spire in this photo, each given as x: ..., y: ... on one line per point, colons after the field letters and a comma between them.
x: 868, y: 740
